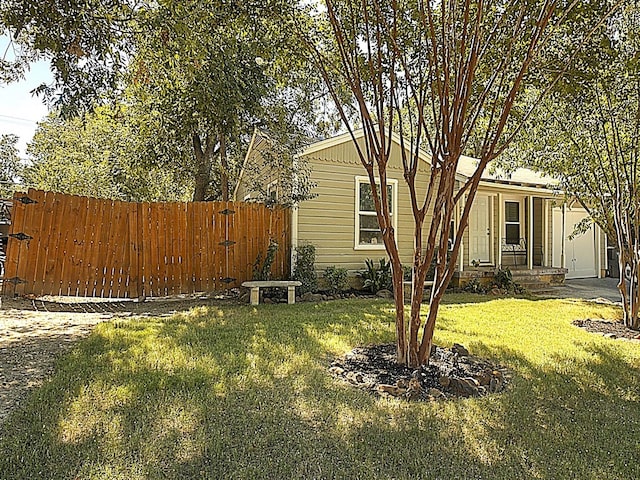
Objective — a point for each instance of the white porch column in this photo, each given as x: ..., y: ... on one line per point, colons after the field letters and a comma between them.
x: 545, y: 241
x: 530, y: 235
x: 500, y: 229
x: 461, y: 251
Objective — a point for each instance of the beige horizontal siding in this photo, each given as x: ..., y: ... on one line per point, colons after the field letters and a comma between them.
x: 328, y: 221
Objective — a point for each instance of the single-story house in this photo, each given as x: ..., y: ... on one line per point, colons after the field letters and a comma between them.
x: 515, y: 222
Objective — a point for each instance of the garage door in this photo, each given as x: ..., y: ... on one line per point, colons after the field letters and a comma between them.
x: 580, y: 252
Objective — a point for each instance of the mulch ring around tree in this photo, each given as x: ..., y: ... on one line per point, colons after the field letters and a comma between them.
x: 451, y: 373
x: 608, y: 328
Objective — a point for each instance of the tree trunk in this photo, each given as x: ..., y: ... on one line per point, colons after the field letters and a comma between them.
x: 398, y: 297
x: 204, y: 161
x: 224, y: 169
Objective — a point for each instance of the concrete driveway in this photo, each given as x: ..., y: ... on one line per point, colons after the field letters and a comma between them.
x: 587, y: 289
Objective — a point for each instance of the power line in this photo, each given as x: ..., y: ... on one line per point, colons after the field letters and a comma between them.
x: 19, y: 119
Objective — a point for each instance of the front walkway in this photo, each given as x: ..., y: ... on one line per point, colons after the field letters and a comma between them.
x: 586, y: 289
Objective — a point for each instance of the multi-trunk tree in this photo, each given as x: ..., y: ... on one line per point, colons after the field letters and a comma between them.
x: 588, y: 135
x: 438, y: 73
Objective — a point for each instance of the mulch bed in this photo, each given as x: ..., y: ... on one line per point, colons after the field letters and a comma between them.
x: 610, y: 329
x: 451, y: 373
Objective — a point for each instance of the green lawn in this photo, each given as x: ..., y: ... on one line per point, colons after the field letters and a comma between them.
x: 243, y: 392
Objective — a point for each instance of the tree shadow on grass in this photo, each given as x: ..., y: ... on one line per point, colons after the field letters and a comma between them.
x: 244, y: 393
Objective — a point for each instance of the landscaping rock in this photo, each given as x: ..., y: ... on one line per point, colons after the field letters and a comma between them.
x: 391, y: 389
x: 463, y: 387
x: 384, y: 294
x: 483, y: 378
x: 459, y: 350
x: 436, y: 394
x: 307, y: 297
x: 267, y: 301
x: 448, y: 375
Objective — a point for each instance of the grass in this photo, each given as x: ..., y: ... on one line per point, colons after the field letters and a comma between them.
x: 243, y: 392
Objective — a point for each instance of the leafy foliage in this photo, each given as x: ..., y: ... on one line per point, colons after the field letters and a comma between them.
x: 262, y: 268
x: 336, y: 278
x: 88, y: 42
x: 10, y: 167
x: 304, y: 269
x: 98, y: 155
x: 376, y: 277
x: 587, y: 135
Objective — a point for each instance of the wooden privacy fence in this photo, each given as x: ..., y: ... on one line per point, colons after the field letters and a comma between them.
x: 69, y: 245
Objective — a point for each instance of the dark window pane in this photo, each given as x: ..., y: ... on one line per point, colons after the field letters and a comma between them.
x: 369, y: 222
x: 513, y: 234
x: 371, y: 238
x: 512, y: 211
x: 366, y: 198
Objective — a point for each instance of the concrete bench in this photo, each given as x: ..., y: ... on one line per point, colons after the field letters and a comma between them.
x: 255, y: 287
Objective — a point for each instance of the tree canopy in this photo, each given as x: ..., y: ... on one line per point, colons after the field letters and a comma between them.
x: 99, y: 155
x: 442, y: 74
x: 10, y: 167
x: 587, y: 134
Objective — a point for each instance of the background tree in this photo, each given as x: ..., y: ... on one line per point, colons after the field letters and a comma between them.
x: 588, y: 135
x: 87, y: 42
x: 99, y: 155
x: 10, y: 167
x: 438, y: 73
x: 205, y: 74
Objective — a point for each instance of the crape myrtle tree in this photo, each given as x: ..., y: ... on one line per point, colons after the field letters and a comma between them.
x: 588, y: 134
x: 438, y: 73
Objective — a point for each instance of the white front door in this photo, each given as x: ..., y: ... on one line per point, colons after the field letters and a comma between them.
x: 479, y: 231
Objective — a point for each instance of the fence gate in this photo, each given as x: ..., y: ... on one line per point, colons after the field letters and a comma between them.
x: 79, y: 246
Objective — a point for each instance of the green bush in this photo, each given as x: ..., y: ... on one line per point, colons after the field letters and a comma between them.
x: 262, y: 269
x: 503, y: 279
x: 336, y: 278
x: 304, y: 270
x: 376, y: 277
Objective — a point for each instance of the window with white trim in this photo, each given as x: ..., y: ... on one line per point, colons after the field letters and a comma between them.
x: 367, y: 231
x: 512, y: 222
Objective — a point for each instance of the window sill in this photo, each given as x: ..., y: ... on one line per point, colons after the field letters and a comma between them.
x: 379, y: 246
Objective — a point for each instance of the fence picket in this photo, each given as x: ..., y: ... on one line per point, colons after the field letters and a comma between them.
x: 89, y: 247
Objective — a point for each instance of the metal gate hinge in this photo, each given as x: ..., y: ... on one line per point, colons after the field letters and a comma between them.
x: 21, y: 236
x: 26, y: 200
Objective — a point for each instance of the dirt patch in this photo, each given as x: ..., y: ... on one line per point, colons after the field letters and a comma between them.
x: 34, y: 333
x: 451, y: 373
x: 610, y: 329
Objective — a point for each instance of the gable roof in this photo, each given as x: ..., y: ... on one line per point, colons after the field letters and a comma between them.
x: 466, y: 165
x: 521, y: 178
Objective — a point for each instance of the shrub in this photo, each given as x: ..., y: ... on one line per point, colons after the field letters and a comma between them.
x: 336, y: 278
x: 304, y: 270
x: 474, y: 286
x: 262, y: 269
x: 503, y: 279
x: 376, y: 277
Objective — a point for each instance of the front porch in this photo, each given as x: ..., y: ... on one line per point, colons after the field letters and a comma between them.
x: 508, y: 230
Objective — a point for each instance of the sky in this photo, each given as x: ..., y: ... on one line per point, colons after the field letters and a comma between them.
x: 19, y: 110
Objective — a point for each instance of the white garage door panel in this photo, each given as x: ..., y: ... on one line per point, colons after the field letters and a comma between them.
x: 580, y: 252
